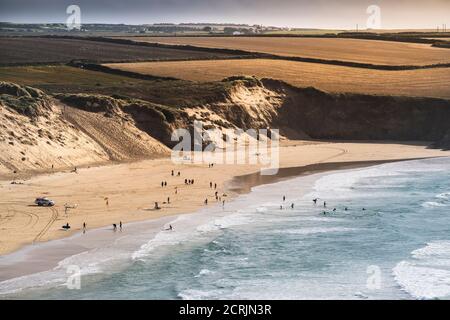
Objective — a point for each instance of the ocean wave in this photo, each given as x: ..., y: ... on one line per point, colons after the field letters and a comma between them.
x: 385, y: 176
x: 314, y: 230
x: 163, y: 238
x: 444, y: 196
x: 433, y: 204
x: 191, y: 294
x: 427, y: 274
x: 85, y: 263
x: 204, y: 272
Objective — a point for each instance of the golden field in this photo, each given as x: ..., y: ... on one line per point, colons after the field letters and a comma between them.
x: 351, y: 50
x: 421, y: 82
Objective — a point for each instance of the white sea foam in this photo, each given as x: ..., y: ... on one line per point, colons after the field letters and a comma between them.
x: 433, y: 204
x: 198, y: 294
x: 164, y: 238
x: 314, y: 230
x: 427, y: 274
x: 444, y: 196
x: 338, y: 185
x: 204, y: 272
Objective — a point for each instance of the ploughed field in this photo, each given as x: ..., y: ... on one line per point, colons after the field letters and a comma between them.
x: 57, y: 50
x: 422, y: 82
x: 349, y: 50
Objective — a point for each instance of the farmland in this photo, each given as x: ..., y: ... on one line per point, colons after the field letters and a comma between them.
x: 349, y: 50
x: 422, y: 82
x: 59, y: 50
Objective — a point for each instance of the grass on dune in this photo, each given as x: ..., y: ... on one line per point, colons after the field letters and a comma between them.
x: 65, y: 79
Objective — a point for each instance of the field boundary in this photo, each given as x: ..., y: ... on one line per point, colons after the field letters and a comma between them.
x: 118, y: 72
x: 234, y: 54
x: 242, y: 54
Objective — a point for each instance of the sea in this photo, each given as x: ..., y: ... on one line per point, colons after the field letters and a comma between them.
x: 383, y: 234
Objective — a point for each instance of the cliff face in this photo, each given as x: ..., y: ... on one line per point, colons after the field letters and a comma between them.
x: 38, y: 132
x: 66, y: 130
x: 361, y: 117
x: 310, y: 113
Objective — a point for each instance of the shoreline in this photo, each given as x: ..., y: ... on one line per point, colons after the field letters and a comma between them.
x: 244, y: 183
x: 132, y: 188
x: 47, y: 255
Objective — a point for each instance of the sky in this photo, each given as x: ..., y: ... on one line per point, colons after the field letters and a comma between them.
x: 325, y: 14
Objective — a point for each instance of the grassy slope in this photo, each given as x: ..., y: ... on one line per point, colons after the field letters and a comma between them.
x: 65, y: 79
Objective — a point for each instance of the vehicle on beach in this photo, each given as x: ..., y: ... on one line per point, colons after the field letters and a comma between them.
x: 44, y: 202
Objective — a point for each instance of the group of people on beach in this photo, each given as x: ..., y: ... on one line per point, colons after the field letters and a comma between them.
x: 187, y: 181
x: 157, y: 206
x: 115, y: 226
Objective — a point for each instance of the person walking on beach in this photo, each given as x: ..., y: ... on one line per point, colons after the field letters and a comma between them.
x: 206, y: 201
x: 120, y: 225
x: 215, y: 185
x: 84, y: 227
x: 284, y: 198
x: 185, y: 181
x: 172, y: 173
x: 324, y: 204
x: 176, y: 190
x: 315, y: 200
x: 168, y: 199
x: 114, y: 227
x: 162, y: 183
x: 292, y: 206
x: 157, y: 206
x: 210, y: 184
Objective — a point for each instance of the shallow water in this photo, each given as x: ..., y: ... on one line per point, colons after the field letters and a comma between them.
x: 397, y: 248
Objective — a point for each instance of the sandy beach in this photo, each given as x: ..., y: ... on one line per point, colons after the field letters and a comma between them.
x: 103, y: 195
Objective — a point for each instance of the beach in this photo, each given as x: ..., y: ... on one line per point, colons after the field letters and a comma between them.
x: 381, y: 219
x: 103, y: 195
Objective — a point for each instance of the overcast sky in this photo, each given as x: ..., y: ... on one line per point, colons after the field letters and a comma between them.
x: 343, y: 14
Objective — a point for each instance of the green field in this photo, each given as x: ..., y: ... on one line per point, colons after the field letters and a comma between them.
x: 65, y: 79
